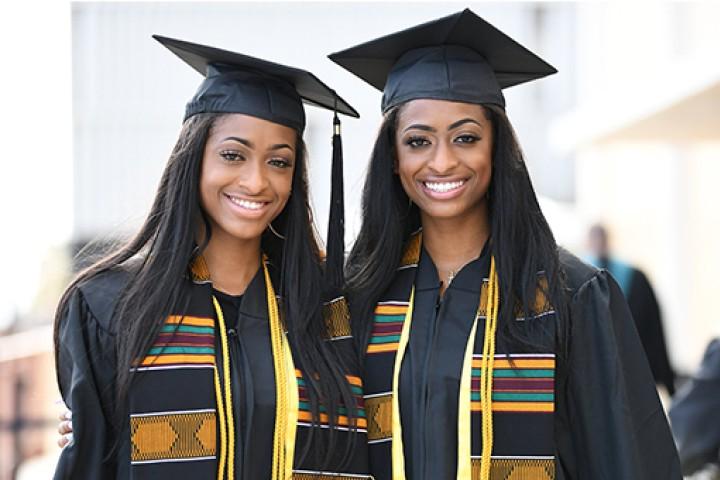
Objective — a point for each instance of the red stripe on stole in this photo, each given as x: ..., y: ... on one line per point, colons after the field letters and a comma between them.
x: 168, y: 339
x: 517, y: 384
x: 394, y: 327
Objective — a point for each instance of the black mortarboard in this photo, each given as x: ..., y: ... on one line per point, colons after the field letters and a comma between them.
x: 460, y: 57
x: 237, y: 83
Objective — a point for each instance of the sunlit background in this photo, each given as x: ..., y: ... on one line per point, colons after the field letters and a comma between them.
x: 627, y: 133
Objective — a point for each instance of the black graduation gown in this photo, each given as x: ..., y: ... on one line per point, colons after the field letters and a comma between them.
x: 608, y: 421
x: 251, y: 367
x: 87, y: 368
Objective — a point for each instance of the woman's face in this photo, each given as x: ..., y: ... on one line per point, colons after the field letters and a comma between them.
x: 444, y: 157
x: 246, y: 175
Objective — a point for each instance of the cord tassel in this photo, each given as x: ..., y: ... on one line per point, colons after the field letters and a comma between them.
x: 336, y: 222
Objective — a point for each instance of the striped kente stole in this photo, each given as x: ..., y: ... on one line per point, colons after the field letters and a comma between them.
x: 175, y: 419
x: 523, y: 388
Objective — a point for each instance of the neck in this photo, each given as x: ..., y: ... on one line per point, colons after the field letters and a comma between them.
x: 232, y: 263
x: 454, y: 242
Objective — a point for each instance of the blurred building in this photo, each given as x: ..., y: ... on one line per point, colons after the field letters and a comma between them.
x: 646, y: 138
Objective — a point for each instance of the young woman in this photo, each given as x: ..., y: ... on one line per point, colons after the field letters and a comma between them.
x: 193, y: 351
x: 490, y: 353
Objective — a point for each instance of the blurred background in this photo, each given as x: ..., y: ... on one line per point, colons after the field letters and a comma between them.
x: 626, y: 135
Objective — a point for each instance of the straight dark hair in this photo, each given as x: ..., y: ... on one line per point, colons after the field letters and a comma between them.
x: 158, y: 259
x: 521, y: 240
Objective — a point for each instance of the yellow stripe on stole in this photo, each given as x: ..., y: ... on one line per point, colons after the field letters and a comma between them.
x: 391, y: 309
x: 518, y: 363
x: 172, y: 359
x: 190, y: 321
x: 545, y: 407
x: 382, y: 347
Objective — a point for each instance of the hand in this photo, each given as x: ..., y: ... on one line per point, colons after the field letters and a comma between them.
x: 65, y: 429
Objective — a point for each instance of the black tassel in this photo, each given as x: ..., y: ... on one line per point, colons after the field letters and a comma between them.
x: 336, y: 223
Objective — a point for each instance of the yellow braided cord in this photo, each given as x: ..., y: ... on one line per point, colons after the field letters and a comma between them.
x: 292, y: 411
x: 225, y: 419
x: 486, y: 373
x: 280, y: 460
x: 398, y: 459
x: 221, y: 417
x: 464, y: 470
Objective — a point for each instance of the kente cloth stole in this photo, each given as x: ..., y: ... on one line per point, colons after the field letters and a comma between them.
x: 179, y: 405
x: 523, y: 391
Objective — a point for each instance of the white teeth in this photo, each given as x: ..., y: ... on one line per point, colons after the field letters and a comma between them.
x: 246, y: 203
x: 442, y: 187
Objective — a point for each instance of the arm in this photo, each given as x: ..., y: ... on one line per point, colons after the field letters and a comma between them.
x: 85, y: 371
x: 617, y: 426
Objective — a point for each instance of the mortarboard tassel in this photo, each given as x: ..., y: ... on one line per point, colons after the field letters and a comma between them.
x: 336, y: 222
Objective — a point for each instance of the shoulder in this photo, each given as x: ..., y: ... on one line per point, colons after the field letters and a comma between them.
x: 577, y: 273
x: 101, y: 292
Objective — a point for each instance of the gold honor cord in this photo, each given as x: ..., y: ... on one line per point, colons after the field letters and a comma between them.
x: 486, y: 372
x: 285, y: 402
x: 227, y: 437
x: 464, y: 468
x: 398, y: 459
x: 464, y: 408
x: 286, y: 397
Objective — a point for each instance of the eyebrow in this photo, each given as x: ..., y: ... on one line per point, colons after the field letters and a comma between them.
x: 427, y: 128
x: 419, y: 126
x: 249, y: 144
x: 463, y: 122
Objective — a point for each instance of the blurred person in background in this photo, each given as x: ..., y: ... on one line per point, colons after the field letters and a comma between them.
x: 489, y: 352
x: 642, y: 302
x: 695, y: 418
x: 174, y: 353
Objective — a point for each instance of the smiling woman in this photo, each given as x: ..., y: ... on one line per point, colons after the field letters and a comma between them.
x: 213, y: 344
x: 245, y: 182
x: 490, y: 353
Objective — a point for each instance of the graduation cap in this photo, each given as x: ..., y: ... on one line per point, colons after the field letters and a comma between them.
x: 460, y: 57
x: 237, y: 83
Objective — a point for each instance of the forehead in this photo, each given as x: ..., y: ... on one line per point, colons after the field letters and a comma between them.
x: 430, y: 112
x: 238, y: 124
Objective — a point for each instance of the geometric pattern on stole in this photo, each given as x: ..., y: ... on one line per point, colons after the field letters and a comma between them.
x: 379, y: 417
x: 517, y: 469
x: 173, y: 436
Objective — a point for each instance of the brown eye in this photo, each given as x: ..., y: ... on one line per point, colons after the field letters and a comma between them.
x: 467, y: 139
x: 232, y: 155
x: 417, y: 142
x: 280, y: 163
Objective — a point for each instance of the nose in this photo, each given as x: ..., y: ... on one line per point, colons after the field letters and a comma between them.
x: 253, y: 179
x: 443, y: 160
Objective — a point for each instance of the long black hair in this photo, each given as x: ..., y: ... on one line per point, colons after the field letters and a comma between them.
x: 521, y: 240
x: 159, y: 255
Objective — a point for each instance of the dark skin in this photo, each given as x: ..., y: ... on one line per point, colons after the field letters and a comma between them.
x: 444, y: 163
x: 245, y: 183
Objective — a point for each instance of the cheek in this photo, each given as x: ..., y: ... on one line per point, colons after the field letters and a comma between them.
x: 283, y: 188
x: 405, y: 167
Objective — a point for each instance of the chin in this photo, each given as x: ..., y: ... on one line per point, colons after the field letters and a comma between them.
x: 449, y: 211
x: 244, y: 231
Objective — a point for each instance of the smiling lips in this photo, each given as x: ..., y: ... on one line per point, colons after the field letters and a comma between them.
x: 245, y: 204
x: 443, y: 190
